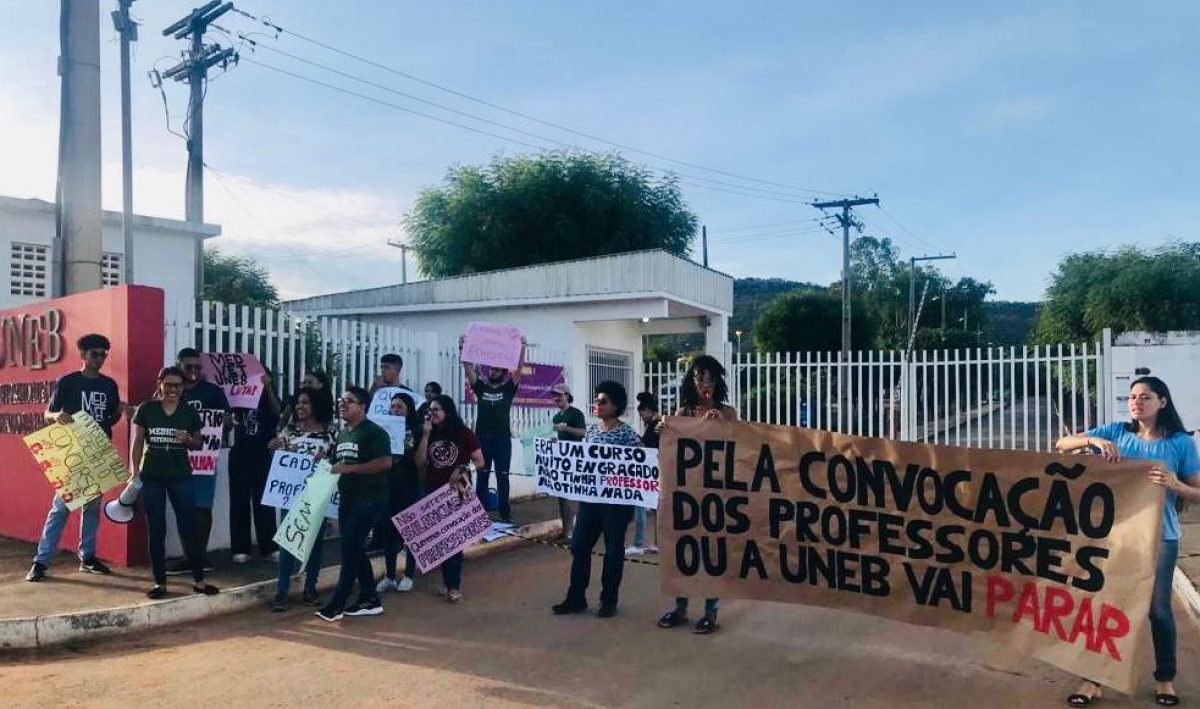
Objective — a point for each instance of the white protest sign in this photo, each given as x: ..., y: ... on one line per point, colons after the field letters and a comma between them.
x: 597, y: 472
x: 287, y: 479
x: 395, y: 427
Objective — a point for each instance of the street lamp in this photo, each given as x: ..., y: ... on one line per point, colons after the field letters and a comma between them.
x: 738, y: 352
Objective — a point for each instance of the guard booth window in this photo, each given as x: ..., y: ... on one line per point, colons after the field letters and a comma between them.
x: 614, y: 365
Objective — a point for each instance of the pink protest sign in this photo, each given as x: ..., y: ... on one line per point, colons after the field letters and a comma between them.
x: 493, y: 345
x: 441, y: 524
x: 240, y: 375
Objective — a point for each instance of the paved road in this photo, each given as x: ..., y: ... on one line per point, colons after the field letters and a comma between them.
x: 503, y: 648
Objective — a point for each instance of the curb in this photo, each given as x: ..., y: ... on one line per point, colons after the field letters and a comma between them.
x: 47, y: 630
x: 1186, y: 590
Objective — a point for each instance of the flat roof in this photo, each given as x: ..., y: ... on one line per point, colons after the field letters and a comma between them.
x: 201, y: 231
x: 652, y: 273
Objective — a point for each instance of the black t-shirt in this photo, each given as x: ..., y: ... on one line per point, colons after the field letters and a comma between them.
x: 256, y: 427
x: 650, y: 436
x: 96, y: 396
x: 209, y: 401
x: 573, y: 417
x: 494, y: 404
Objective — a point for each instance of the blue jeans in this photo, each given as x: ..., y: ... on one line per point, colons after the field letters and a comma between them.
x: 593, y: 521
x: 1162, y: 621
x: 497, y: 456
x: 355, y: 520
x: 710, y: 606
x: 287, y: 563
x: 154, y: 499
x: 56, y: 521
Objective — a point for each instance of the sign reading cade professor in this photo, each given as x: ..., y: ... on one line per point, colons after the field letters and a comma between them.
x: 287, y: 479
x: 492, y: 345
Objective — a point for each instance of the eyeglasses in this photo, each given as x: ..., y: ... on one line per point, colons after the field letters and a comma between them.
x: 1144, y: 397
x: 348, y: 401
x: 171, y: 385
x: 602, y: 402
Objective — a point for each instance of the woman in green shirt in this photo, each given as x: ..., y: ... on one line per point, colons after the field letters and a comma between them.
x: 163, y: 431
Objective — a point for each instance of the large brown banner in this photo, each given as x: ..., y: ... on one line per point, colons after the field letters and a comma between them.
x: 1048, y: 556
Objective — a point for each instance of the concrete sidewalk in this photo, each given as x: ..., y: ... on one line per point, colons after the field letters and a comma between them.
x: 70, y: 605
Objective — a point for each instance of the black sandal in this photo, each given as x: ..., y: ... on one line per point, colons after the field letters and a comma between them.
x: 1166, y: 699
x: 672, y: 619
x: 705, y: 626
x: 1079, y: 699
x: 156, y: 593
x: 206, y: 589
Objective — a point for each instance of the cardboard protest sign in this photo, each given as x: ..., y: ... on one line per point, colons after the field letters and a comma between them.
x: 239, y: 374
x: 395, y: 427
x: 204, y: 460
x: 492, y: 345
x: 441, y: 524
x: 287, y: 479
x: 298, y: 532
x: 78, y: 460
x: 597, y: 472
x: 1048, y: 556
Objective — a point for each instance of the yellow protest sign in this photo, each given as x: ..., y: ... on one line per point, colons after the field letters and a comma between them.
x: 78, y: 459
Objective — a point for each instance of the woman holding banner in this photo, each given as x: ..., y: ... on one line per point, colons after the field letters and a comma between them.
x: 163, y: 430
x: 1156, y: 433
x: 404, y: 488
x: 445, y: 448
x: 596, y: 519
x: 312, y: 433
x: 703, y: 394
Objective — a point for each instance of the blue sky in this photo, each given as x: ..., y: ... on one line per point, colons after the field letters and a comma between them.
x: 1010, y: 133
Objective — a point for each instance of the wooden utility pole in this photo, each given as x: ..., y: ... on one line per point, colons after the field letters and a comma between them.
x: 847, y: 220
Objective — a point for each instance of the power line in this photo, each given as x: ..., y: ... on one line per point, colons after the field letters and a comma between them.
x: 906, y: 230
x: 762, y: 226
x: 738, y: 238
x: 525, y: 116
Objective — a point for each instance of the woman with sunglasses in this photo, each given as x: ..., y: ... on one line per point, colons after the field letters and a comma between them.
x: 600, y: 519
x: 163, y: 430
x: 445, y: 448
x: 703, y: 395
x: 312, y: 433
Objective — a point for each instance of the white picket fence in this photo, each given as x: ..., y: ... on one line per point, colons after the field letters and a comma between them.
x: 1012, y: 398
x: 347, y: 350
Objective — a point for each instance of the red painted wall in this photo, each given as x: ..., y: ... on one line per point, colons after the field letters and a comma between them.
x: 132, y: 319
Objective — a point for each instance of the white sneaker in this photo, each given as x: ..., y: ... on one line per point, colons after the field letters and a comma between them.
x: 404, y: 585
x: 634, y: 551
x: 241, y: 558
x: 386, y: 585
x: 651, y: 550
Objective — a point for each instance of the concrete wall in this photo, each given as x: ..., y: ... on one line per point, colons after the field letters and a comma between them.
x: 163, y: 248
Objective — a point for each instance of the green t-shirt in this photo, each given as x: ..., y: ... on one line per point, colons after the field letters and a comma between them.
x: 573, y: 417
x: 494, y: 404
x: 163, y: 457
x: 361, y: 444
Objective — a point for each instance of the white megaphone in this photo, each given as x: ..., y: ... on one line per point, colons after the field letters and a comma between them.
x: 120, y: 508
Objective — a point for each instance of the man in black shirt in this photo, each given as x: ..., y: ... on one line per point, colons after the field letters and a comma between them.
x: 493, y: 401
x: 90, y: 392
x: 249, y: 466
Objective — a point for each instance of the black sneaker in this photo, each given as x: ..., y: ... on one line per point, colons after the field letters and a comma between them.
x: 94, y: 566
x: 606, y: 611
x: 37, y: 572
x: 373, y: 607
x: 330, y: 614
x: 179, y: 567
x: 569, y: 606
x: 311, y: 598
x: 279, y: 605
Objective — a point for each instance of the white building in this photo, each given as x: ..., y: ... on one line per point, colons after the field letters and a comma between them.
x: 164, y: 252
x: 595, y: 311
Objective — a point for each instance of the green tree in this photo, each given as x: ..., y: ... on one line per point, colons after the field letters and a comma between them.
x: 237, y: 280
x: 809, y: 321
x: 555, y: 206
x: 1131, y: 289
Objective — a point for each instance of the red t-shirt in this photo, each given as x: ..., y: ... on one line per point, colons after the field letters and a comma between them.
x: 445, y: 453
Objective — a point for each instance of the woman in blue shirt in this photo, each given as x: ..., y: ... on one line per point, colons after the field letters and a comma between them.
x: 1154, y: 433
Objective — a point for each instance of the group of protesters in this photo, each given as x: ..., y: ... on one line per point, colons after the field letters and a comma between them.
x: 379, y: 478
